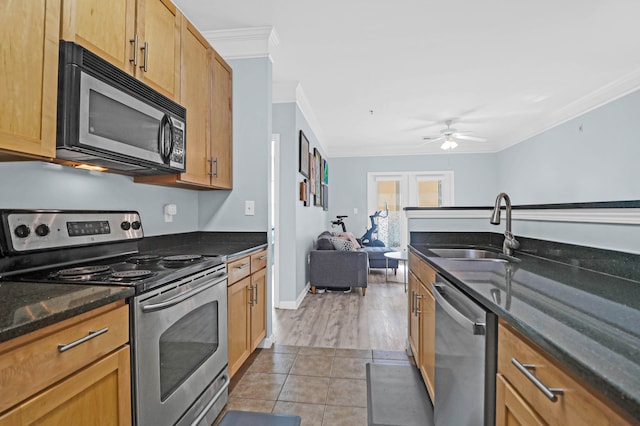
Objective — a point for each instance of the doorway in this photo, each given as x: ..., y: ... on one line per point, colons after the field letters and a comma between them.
x: 274, y: 222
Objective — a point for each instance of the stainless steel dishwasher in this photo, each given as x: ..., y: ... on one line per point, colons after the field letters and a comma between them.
x: 466, y: 348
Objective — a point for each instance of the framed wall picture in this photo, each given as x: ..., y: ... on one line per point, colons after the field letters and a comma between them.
x: 325, y: 172
x: 325, y: 197
x: 317, y: 174
x: 312, y: 174
x: 303, y: 160
x: 304, y: 192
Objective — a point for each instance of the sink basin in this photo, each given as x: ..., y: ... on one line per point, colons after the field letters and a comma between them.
x: 472, y: 254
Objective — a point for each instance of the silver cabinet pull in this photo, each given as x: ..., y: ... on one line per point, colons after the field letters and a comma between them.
x: 244, y: 265
x: 215, y: 163
x: 550, y: 393
x: 144, y: 66
x: 262, y: 257
x: 418, y: 311
x: 250, y: 290
x: 413, y: 305
x: 255, y: 301
x: 134, y: 40
x: 66, y: 346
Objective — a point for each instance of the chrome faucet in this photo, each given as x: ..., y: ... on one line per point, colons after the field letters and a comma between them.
x: 510, y: 241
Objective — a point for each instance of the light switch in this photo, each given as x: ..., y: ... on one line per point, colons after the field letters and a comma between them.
x: 249, y: 208
x: 355, y: 210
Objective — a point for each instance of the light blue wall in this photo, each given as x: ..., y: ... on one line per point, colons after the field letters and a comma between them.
x: 475, y: 180
x: 37, y: 185
x: 299, y: 225
x: 566, y: 164
x: 224, y: 210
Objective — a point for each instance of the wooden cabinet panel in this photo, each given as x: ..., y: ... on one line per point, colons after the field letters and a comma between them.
x: 258, y: 308
x: 419, y: 267
x: 239, y: 318
x: 427, y: 339
x: 158, y: 21
x: 29, y: 31
x: 413, y: 321
x: 239, y: 269
x: 259, y: 260
x: 105, y: 27
x: 576, y: 405
x: 31, y: 367
x: 221, y: 124
x: 99, y: 393
x: 511, y: 409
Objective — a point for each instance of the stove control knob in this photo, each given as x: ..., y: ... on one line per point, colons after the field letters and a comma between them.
x: 42, y: 230
x: 22, y: 231
x: 136, y: 225
x: 125, y: 225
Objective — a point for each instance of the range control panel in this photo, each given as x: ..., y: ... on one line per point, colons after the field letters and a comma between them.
x: 37, y: 230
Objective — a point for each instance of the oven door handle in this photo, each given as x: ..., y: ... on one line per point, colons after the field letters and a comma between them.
x: 215, y: 398
x: 182, y: 297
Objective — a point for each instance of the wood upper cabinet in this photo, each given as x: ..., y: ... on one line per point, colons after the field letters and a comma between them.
x: 89, y: 381
x: 221, y: 154
x: 206, y: 93
x: 141, y: 37
x: 29, y: 31
x: 422, y: 319
x: 521, y: 401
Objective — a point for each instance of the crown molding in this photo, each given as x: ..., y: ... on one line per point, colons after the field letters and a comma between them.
x: 292, y: 92
x: 243, y: 43
x: 616, y: 89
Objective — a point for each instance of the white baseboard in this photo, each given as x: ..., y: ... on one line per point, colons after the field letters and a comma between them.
x: 267, y: 342
x: 296, y: 304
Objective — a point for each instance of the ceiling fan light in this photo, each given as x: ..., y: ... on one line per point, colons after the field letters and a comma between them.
x: 448, y: 144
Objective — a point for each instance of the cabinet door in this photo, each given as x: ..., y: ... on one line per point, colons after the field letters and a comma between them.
x: 413, y: 320
x: 511, y: 409
x: 105, y: 27
x: 98, y: 394
x: 29, y: 31
x: 195, y: 96
x: 221, y: 131
x: 158, y: 27
x: 238, y: 299
x: 258, y: 308
x: 427, y: 362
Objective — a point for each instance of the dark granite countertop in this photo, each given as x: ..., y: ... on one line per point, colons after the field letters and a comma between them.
x: 26, y: 307
x: 227, y: 244
x: 588, y: 320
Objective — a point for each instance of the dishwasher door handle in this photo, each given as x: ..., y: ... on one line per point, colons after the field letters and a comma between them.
x: 477, y: 328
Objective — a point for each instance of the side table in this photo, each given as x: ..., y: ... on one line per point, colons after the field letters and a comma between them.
x: 401, y: 256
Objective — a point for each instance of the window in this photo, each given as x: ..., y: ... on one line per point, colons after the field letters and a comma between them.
x: 392, y: 192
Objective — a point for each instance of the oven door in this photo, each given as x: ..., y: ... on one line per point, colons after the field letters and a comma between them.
x: 180, y: 347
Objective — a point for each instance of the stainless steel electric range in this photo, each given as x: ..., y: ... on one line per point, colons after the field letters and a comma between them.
x: 178, y: 316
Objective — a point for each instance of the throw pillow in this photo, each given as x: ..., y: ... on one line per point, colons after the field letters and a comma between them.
x: 341, y: 244
x: 325, y: 243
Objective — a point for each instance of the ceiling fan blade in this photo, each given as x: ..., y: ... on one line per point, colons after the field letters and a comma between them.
x: 436, y: 139
x: 470, y: 138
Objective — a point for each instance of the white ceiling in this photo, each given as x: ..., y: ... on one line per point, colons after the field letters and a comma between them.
x: 501, y: 69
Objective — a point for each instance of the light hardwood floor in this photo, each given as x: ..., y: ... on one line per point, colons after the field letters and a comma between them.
x: 338, y: 320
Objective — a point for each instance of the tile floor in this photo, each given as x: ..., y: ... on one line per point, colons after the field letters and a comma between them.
x: 324, y: 386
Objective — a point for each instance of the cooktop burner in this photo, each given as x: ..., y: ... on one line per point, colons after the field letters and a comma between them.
x: 82, y: 273
x: 182, y: 258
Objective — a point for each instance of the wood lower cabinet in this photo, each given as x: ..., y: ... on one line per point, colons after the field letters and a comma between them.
x: 422, y: 319
x: 29, y: 32
x: 247, y: 307
x: 87, y: 384
x: 141, y: 37
x: 519, y: 401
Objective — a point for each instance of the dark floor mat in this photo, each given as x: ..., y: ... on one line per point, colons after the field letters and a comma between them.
x: 396, y: 396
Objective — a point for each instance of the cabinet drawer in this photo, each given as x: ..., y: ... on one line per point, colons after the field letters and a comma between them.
x: 421, y: 270
x: 576, y: 405
x: 36, y: 364
x: 238, y: 269
x: 258, y: 260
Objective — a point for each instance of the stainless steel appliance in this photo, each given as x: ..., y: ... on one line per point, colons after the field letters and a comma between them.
x: 108, y: 118
x: 466, y: 349
x: 178, y: 314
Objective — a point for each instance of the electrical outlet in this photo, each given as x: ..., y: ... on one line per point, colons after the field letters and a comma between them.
x: 355, y: 210
x: 249, y: 208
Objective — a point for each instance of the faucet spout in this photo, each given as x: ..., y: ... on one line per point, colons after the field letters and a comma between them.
x: 510, y: 241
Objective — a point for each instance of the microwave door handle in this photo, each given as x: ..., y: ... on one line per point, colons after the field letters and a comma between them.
x: 165, y: 154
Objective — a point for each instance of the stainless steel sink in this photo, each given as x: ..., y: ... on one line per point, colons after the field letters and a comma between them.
x: 472, y: 254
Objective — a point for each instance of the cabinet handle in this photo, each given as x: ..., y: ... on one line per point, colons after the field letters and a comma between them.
x: 146, y: 57
x: 413, y: 304
x: 262, y: 257
x: 256, y: 299
x: 214, y: 167
x: 66, y: 346
x: 250, y: 290
x: 134, y: 40
x: 418, y: 311
x: 548, y: 392
x: 244, y: 265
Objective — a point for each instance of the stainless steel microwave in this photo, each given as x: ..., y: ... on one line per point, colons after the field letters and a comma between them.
x: 108, y: 118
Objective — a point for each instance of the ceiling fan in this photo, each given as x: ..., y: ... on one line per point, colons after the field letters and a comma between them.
x: 449, y: 136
